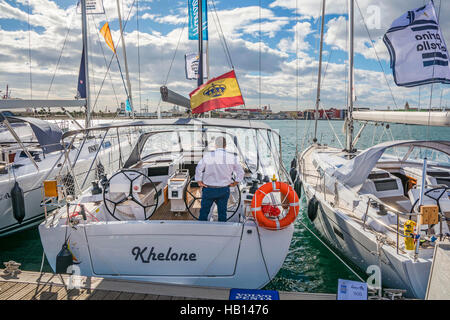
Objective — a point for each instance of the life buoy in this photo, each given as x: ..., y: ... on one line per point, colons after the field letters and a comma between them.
x: 313, y: 205
x: 274, y: 223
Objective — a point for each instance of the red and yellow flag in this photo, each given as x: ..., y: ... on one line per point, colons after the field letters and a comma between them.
x: 106, y: 33
x: 217, y: 93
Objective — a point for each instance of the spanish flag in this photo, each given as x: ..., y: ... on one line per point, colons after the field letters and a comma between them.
x: 217, y: 93
x: 106, y: 33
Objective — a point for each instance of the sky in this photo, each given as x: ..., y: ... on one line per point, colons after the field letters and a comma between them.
x: 273, y: 46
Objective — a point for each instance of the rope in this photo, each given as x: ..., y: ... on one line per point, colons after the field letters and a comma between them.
x: 326, y: 246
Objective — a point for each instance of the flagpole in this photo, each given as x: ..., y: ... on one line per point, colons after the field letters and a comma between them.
x: 86, y: 64
x: 125, y: 58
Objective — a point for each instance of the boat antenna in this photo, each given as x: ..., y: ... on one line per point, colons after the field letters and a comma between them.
x: 316, y: 112
x: 86, y: 64
x: 200, y: 43
x: 349, y: 119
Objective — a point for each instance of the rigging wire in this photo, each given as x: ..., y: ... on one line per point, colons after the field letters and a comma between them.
x: 112, y: 57
x: 139, y: 55
x: 297, y: 82
x: 61, y: 52
x: 227, y: 51
x: 376, y: 54
x: 106, y: 63
x: 29, y: 50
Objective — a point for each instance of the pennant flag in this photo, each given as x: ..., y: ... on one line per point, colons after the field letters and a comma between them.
x: 106, y: 33
x: 81, y: 89
x: 92, y: 7
x: 191, y: 66
x: 128, y: 106
x: 217, y: 93
x: 193, y: 19
x: 417, y: 48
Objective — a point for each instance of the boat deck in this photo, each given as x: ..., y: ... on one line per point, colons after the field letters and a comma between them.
x: 28, y: 285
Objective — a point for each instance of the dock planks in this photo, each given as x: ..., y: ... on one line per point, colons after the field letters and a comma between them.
x: 29, y: 285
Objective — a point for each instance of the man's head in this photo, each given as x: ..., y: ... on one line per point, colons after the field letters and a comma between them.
x: 221, y: 142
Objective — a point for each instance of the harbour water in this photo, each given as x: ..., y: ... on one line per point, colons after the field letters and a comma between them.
x: 309, y: 266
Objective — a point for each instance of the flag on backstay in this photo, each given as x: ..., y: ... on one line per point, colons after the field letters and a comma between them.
x: 417, y: 48
x: 81, y: 88
x: 106, y: 33
x: 217, y: 93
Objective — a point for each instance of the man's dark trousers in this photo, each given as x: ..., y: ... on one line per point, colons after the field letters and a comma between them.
x: 220, y: 197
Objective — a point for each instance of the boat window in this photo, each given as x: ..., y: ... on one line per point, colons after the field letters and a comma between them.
x: 433, y: 156
x: 267, y: 157
x: 161, y: 142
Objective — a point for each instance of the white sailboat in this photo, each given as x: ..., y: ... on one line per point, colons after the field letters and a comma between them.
x: 386, y: 206
x: 27, y: 160
x: 144, y: 223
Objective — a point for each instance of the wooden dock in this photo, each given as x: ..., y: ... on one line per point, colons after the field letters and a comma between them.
x: 28, y: 285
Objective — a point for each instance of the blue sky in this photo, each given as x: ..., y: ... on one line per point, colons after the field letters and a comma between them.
x: 160, y: 25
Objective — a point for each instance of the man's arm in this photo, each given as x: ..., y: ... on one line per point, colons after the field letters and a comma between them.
x: 237, y: 169
x: 199, y: 172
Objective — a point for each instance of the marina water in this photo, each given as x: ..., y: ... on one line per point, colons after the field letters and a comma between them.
x: 309, y: 266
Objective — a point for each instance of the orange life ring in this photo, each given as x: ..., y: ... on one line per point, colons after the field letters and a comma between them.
x: 275, y: 223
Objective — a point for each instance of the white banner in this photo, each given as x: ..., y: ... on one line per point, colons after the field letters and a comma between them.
x: 417, y: 48
x: 92, y: 7
x: 191, y: 66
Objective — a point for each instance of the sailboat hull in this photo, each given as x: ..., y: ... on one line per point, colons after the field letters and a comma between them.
x: 360, y: 247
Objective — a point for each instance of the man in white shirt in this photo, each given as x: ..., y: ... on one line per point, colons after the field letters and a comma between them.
x: 214, y: 173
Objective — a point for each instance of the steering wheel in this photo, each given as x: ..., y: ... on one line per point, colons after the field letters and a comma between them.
x: 234, y: 201
x: 117, y: 198
x: 444, y: 191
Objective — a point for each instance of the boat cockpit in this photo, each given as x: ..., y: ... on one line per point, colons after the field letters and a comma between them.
x: 157, y: 181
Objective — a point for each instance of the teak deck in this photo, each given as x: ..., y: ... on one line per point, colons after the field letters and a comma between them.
x: 28, y: 285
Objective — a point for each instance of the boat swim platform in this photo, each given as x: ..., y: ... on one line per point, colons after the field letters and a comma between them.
x: 30, y: 285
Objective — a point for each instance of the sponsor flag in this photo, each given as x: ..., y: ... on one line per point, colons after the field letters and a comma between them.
x: 92, y: 7
x: 191, y: 66
x: 193, y: 19
x: 106, y: 33
x: 217, y: 93
x: 81, y: 88
x: 417, y: 48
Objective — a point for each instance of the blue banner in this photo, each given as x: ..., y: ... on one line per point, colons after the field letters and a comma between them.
x: 193, y: 19
x: 128, y: 106
x: 249, y: 294
x: 81, y: 89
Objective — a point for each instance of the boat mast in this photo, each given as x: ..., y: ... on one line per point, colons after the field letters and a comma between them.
x: 86, y: 64
x: 316, y: 113
x: 125, y: 58
x: 349, y: 120
x: 200, y: 43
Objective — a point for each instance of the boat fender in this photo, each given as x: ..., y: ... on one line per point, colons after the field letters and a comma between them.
x: 293, y: 173
x: 313, y: 205
x: 64, y: 259
x: 298, y: 187
x: 18, y: 202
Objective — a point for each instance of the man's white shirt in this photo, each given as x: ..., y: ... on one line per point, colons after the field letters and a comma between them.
x: 217, y: 167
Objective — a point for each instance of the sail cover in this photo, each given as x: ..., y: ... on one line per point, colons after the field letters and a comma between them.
x: 355, y: 172
x: 48, y: 134
x: 417, y: 48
